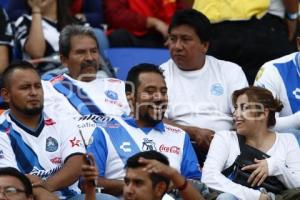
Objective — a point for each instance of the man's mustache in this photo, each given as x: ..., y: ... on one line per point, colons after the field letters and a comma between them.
x: 92, y: 63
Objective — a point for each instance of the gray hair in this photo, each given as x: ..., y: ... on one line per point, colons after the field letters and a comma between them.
x: 70, y: 31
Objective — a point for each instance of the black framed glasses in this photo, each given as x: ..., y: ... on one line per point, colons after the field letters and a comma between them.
x: 11, y: 191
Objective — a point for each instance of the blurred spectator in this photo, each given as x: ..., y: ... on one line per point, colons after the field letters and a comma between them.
x: 139, y: 23
x: 38, y: 34
x: 16, y: 186
x: 89, y: 10
x: 250, y: 33
x: 281, y: 76
x: 6, y: 40
x: 148, y: 172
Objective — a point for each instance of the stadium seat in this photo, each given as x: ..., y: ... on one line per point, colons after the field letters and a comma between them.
x: 122, y: 59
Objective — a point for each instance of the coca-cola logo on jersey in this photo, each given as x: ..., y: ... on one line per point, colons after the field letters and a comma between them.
x: 172, y: 149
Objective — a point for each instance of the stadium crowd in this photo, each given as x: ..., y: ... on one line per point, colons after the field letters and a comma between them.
x: 220, y: 119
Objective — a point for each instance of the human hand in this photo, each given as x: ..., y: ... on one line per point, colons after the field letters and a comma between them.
x: 34, y: 179
x: 158, y: 25
x: 263, y: 196
x: 81, y: 17
x: 89, y: 170
x: 35, y: 5
x: 154, y: 166
x: 259, y: 172
x: 201, y: 136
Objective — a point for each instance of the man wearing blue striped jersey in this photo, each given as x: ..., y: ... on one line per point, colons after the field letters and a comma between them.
x: 119, y: 138
x: 81, y: 92
x: 282, y: 77
x: 32, y: 140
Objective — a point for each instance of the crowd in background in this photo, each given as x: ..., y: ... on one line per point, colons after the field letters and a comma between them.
x: 70, y: 126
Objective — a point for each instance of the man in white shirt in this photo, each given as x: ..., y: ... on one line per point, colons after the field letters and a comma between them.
x: 199, y: 86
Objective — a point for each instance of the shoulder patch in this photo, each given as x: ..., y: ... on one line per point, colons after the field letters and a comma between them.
x: 57, y: 79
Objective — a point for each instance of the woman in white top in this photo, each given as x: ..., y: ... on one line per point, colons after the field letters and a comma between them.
x: 254, y: 115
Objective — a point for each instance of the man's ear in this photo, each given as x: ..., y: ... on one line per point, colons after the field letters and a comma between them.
x: 160, y: 189
x: 206, y: 46
x: 5, y: 95
x: 131, y: 100
x: 63, y: 60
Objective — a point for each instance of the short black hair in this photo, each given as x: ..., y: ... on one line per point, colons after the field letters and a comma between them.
x: 133, y: 162
x: 10, y: 171
x: 5, y: 82
x: 194, y: 19
x: 132, y: 80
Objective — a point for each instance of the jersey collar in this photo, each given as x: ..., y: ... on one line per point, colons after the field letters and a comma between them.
x: 132, y: 122
x: 35, y: 132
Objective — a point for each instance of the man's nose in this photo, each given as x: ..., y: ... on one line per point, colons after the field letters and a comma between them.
x: 178, y: 44
x: 88, y: 56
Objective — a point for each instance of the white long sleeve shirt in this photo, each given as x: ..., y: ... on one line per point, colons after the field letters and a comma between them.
x: 284, y: 163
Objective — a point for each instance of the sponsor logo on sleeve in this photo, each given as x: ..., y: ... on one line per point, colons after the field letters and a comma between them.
x: 44, y: 173
x: 56, y: 160
x: 49, y: 122
x: 57, y: 79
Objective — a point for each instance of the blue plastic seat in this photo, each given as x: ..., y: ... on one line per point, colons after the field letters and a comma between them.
x: 122, y: 59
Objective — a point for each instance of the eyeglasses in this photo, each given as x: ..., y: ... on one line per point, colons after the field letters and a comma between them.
x: 11, y: 191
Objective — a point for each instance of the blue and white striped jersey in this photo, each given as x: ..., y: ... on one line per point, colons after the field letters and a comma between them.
x: 69, y: 97
x: 119, y: 138
x: 282, y: 77
x: 41, y: 152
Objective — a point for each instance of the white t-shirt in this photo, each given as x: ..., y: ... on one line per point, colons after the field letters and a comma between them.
x: 284, y: 163
x: 202, y: 97
x: 41, y: 152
